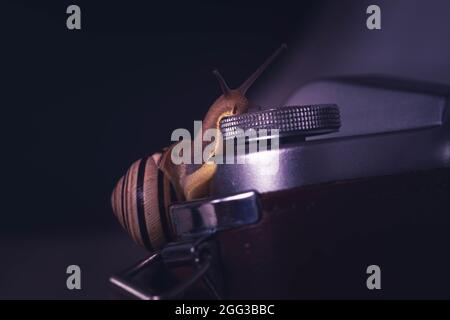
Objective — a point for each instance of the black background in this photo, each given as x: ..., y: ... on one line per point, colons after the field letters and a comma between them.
x: 78, y: 107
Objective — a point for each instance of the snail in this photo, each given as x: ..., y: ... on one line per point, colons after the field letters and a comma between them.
x: 142, y: 196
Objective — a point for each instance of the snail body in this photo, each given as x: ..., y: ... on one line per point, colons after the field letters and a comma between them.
x: 142, y: 196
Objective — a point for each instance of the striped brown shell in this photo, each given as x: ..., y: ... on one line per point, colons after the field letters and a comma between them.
x: 139, y: 203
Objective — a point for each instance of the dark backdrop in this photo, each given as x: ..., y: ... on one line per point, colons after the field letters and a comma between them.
x: 80, y: 106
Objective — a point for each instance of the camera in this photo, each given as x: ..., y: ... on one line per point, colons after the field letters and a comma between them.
x: 361, y: 179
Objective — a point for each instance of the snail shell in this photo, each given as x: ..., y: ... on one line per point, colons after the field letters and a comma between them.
x: 139, y: 202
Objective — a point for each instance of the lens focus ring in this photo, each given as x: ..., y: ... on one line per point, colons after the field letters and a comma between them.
x: 290, y: 120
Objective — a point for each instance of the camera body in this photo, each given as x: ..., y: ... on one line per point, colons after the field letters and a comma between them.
x: 373, y: 193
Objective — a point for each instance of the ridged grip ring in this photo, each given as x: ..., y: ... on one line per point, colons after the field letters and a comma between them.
x: 289, y: 120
